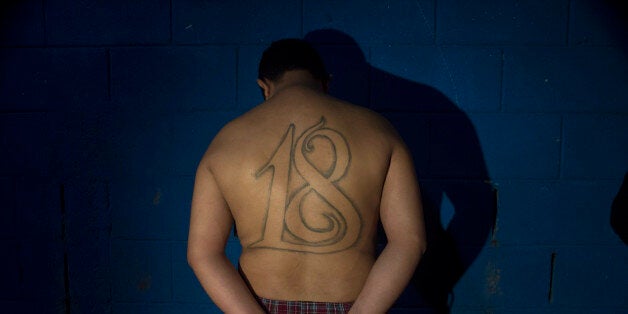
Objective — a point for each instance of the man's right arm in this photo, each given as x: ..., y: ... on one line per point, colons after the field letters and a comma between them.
x: 401, y: 215
x: 210, y: 225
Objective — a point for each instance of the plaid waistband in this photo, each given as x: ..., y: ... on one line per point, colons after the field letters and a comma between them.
x: 304, y: 307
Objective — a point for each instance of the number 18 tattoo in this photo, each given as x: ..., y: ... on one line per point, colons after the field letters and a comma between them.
x: 317, y: 216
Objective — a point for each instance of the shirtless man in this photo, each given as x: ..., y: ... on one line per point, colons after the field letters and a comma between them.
x: 305, y: 177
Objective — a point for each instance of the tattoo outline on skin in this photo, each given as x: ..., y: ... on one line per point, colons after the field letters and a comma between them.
x: 337, y: 222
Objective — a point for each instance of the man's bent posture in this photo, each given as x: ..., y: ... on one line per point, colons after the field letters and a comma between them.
x: 305, y: 177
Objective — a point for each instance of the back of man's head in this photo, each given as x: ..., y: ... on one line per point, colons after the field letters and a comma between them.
x: 291, y: 54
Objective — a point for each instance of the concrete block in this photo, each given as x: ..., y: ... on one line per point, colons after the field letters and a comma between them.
x: 192, y: 135
x: 505, y: 276
x: 90, y: 273
x: 32, y: 140
x: 38, y: 209
x: 22, y: 23
x: 455, y: 147
x: 591, y: 277
x: 561, y: 79
x: 597, y: 23
x: 173, y: 78
x: 137, y: 145
x: 520, y: 146
x: 501, y: 22
x: 86, y: 141
x: 151, y: 209
x: 407, y: 22
x: 542, y: 213
x: 115, y: 22
x: 428, y: 79
x: 243, y: 22
x: 595, y: 146
x: 141, y: 271
x: 88, y: 228
x: 50, y: 79
x: 87, y: 212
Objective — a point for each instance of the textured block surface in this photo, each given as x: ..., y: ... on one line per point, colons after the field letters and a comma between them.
x: 141, y: 271
x: 423, y: 78
x: 173, y: 78
x: 407, y: 22
x: 136, y: 147
x: 556, y: 213
x: 506, y: 276
x: 592, y: 278
x: 584, y: 79
x: 193, y: 133
x: 38, y: 209
x: 596, y: 146
x: 52, y: 79
x: 115, y: 22
x: 228, y: 22
x: 501, y: 22
x: 520, y: 146
x: 151, y: 209
x: 455, y: 149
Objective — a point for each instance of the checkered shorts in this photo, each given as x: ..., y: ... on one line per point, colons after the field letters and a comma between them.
x: 304, y: 307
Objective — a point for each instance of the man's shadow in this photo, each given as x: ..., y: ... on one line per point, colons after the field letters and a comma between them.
x: 459, y: 203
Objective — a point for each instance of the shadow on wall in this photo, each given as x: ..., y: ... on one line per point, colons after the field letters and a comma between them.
x: 459, y: 203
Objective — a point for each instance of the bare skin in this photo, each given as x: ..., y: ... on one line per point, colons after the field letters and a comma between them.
x: 306, y: 177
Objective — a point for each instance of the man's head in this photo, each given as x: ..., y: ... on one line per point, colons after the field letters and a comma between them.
x: 287, y: 55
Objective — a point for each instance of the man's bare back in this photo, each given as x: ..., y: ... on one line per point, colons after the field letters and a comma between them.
x: 306, y: 178
x: 303, y: 175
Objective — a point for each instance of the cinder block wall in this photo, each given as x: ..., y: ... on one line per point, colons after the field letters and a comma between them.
x: 516, y: 112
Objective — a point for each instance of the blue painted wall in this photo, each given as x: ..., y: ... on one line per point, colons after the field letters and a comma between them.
x: 516, y: 112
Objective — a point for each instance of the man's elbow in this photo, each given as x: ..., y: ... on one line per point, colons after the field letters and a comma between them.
x: 193, y: 260
x: 196, y: 259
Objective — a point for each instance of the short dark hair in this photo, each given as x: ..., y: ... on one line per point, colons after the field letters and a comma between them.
x: 291, y: 54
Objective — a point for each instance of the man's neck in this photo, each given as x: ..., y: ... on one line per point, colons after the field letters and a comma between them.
x: 301, y: 78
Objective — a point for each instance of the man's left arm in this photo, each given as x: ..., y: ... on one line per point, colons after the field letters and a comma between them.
x: 210, y: 225
x: 402, y: 218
